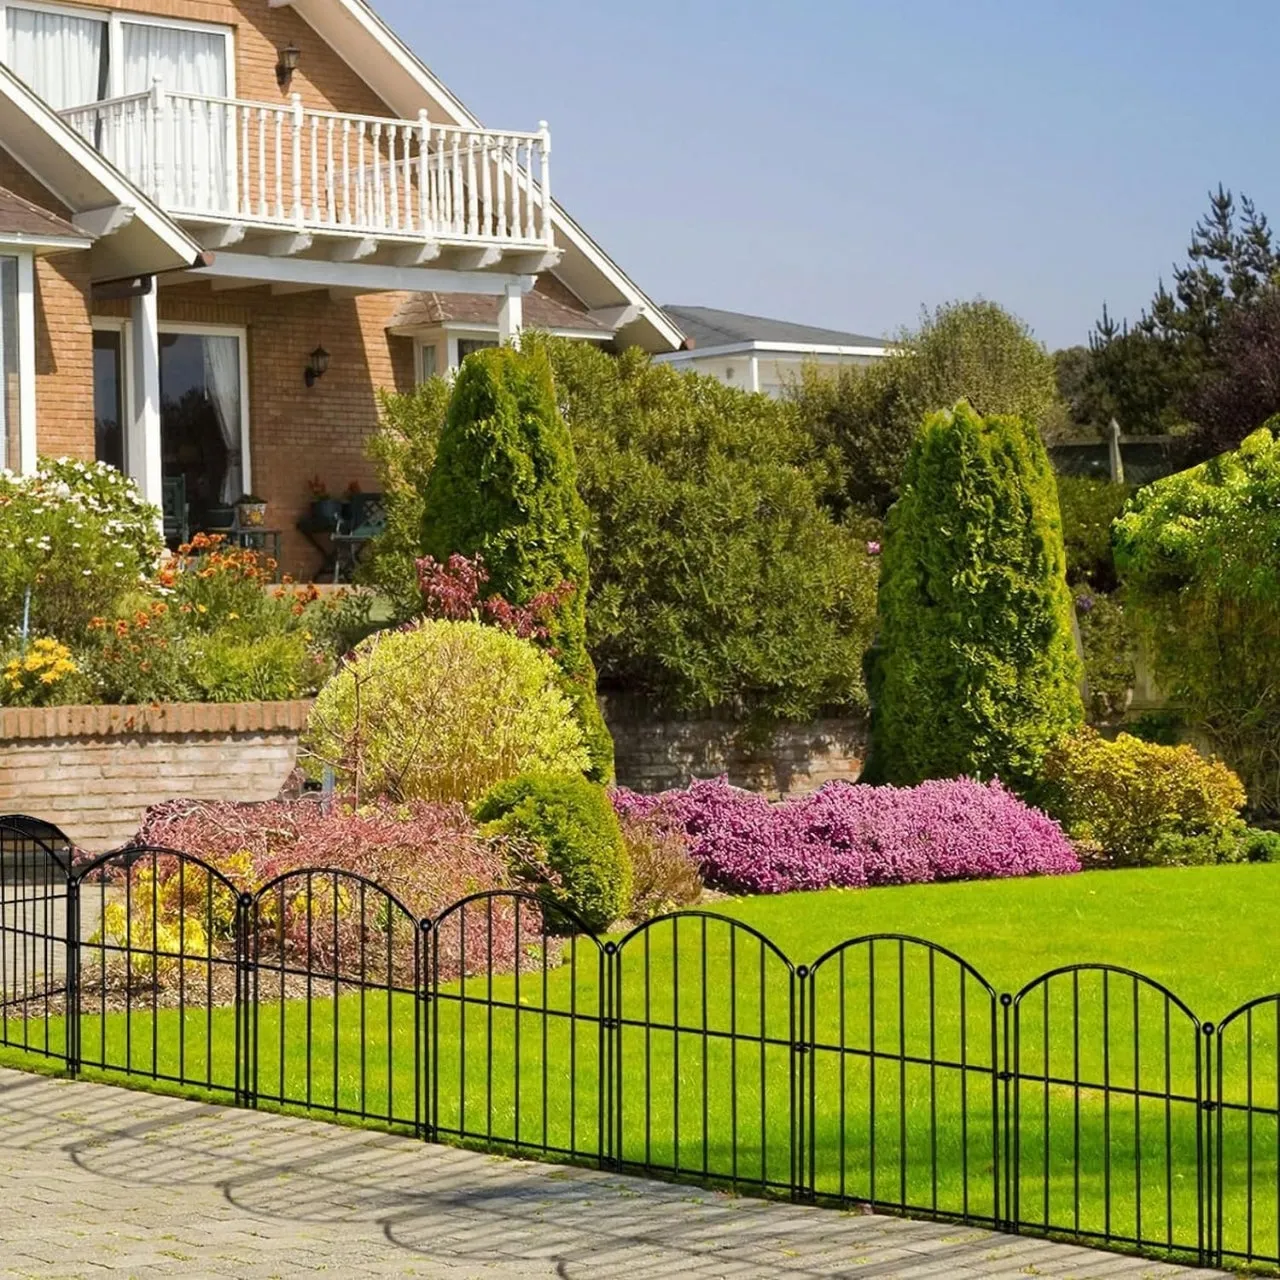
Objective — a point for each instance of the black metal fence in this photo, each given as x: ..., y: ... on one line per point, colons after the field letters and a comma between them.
x: 1092, y: 1104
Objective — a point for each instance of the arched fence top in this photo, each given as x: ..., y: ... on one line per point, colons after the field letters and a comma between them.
x: 490, y: 896
x: 129, y: 855
x: 674, y: 917
x: 1120, y: 971
x: 1245, y: 1009
x: 338, y: 873
x: 906, y: 939
x: 21, y: 826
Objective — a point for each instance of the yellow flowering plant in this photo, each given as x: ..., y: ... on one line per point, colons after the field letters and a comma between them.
x: 42, y: 675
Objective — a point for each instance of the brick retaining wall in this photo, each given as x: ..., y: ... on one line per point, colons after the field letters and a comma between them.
x: 94, y: 770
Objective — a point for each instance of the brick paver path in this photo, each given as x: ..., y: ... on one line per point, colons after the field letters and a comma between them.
x: 98, y: 1181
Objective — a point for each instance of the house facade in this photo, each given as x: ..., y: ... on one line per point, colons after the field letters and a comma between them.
x: 225, y: 225
x: 759, y: 354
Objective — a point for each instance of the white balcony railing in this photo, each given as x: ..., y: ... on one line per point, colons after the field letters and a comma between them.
x: 289, y: 166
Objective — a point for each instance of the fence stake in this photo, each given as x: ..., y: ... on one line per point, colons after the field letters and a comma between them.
x: 72, y: 1017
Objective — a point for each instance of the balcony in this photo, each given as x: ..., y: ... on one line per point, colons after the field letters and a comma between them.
x: 258, y: 167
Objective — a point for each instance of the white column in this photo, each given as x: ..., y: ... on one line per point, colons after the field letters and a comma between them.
x: 143, y: 452
x: 511, y: 316
x: 26, y: 364
x: 753, y: 373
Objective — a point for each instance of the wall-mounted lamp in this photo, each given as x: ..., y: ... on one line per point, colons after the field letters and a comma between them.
x: 316, y: 366
x: 286, y: 65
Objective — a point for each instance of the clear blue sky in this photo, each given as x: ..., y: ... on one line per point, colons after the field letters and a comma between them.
x: 842, y: 162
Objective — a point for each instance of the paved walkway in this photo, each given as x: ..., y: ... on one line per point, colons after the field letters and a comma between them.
x: 97, y: 1181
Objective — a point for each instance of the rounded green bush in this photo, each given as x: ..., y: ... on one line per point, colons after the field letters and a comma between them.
x: 566, y: 826
x: 442, y: 711
x: 1260, y: 845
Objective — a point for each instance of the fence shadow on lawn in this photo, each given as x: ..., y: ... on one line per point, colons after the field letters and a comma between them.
x: 1092, y: 1104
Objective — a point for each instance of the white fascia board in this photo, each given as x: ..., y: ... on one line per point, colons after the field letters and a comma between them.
x: 459, y: 329
x: 454, y: 112
x: 375, y: 277
x: 770, y: 348
x: 118, y: 188
x: 41, y: 245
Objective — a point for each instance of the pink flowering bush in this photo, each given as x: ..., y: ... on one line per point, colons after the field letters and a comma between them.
x: 428, y: 856
x: 852, y: 836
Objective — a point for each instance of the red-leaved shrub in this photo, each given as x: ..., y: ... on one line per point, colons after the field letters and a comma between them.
x: 855, y: 835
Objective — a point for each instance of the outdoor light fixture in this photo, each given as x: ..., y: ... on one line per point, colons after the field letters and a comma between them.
x: 316, y: 366
x: 286, y: 65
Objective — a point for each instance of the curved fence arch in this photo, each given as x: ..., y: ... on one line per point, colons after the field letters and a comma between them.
x: 336, y: 974
x: 33, y: 951
x: 707, y: 1020
x: 903, y: 1031
x: 518, y: 1023
x: 157, y: 983
x: 1108, y: 1086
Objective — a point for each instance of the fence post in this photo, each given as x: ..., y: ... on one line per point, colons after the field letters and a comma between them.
x: 800, y: 993
x: 1007, y: 1137
x: 609, y: 1121
x: 426, y: 1102
x: 71, y: 1017
x: 246, y: 1085
x: 1209, y: 1146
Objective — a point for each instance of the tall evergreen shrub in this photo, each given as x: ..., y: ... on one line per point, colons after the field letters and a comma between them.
x: 503, y: 486
x: 977, y: 671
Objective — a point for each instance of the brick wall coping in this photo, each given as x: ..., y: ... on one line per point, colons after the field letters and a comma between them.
x: 155, y: 718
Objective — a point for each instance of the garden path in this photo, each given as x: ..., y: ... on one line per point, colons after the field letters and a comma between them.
x: 101, y: 1181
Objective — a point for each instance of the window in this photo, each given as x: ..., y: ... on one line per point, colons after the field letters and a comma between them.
x: 203, y: 427
x: 108, y: 396
x: 467, y: 345
x: 72, y: 58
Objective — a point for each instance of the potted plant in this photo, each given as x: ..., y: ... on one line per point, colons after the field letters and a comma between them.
x: 251, y: 511
x: 220, y: 516
x: 325, y: 508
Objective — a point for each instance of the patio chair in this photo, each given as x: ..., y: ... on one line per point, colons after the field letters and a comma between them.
x: 173, y: 498
x: 363, y: 519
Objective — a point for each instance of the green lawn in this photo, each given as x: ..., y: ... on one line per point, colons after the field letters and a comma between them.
x: 705, y: 1070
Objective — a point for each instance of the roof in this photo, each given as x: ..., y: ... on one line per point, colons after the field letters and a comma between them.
x: 430, y: 310
x: 401, y: 79
x: 20, y: 218
x: 710, y: 327
x: 131, y: 235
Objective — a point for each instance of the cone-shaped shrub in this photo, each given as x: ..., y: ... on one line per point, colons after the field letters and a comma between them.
x: 976, y: 673
x: 504, y: 486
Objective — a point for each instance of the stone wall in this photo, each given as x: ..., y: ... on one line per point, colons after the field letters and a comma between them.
x: 653, y: 753
x: 94, y: 770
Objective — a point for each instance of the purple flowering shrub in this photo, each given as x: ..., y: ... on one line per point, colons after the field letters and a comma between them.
x: 854, y: 835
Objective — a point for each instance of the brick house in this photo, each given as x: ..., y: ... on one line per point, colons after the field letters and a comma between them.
x: 226, y: 224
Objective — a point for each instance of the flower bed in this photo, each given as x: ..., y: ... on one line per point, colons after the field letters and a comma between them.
x: 856, y: 836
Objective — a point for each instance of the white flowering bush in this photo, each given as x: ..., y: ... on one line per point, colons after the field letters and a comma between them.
x: 77, y: 536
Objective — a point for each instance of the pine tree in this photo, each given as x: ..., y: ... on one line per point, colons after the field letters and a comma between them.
x: 504, y: 486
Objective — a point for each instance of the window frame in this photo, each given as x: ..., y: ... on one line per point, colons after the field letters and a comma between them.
x: 120, y: 325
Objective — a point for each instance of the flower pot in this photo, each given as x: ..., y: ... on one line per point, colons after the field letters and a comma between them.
x: 220, y: 517
x: 251, y: 515
x: 325, y: 512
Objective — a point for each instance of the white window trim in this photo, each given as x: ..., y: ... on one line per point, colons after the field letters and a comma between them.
x: 120, y: 325
x: 115, y: 19
x: 242, y: 336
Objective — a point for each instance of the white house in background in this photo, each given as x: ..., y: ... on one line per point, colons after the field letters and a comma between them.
x: 759, y: 354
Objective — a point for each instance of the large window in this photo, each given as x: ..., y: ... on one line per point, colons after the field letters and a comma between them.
x: 109, y: 395
x: 10, y: 366
x: 202, y: 419
x: 75, y: 57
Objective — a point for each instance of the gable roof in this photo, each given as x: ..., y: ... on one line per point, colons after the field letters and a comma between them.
x: 130, y: 234
x: 22, y: 220
x: 710, y: 327
x: 407, y: 85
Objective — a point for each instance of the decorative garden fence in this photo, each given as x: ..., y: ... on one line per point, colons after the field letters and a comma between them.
x: 1093, y: 1103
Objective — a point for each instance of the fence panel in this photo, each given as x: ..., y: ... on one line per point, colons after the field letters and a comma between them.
x: 705, y: 1084
x: 904, y: 1109
x: 518, y: 1048
x: 1246, y: 1147
x: 157, y: 973
x: 1107, y: 1096
x: 34, y: 912
x: 335, y: 1021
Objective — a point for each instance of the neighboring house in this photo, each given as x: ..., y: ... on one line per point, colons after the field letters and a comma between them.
x: 758, y: 354
x: 226, y: 224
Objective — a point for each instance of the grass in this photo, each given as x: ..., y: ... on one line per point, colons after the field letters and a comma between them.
x: 899, y: 1099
